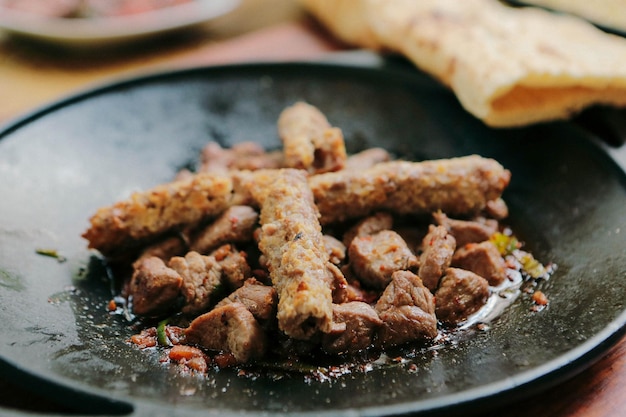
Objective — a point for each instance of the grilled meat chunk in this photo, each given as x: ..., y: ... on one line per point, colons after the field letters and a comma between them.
x: 336, y: 249
x: 234, y: 263
x: 259, y: 299
x: 355, y: 325
x: 369, y: 226
x: 407, y: 309
x: 202, y: 280
x: 467, y: 231
x: 235, y: 225
x: 229, y: 328
x: 437, y: 250
x: 483, y: 259
x: 153, y: 287
x: 375, y: 258
x: 460, y: 294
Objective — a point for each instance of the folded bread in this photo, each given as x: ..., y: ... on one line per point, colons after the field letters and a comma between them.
x: 610, y: 14
x: 507, y: 66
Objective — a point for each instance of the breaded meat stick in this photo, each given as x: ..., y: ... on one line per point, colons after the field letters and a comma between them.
x: 292, y: 243
x: 456, y: 186
x: 150, y: 213
x: 309, y: 141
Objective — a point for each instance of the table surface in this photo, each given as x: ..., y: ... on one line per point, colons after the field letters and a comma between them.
x: 32, y: 75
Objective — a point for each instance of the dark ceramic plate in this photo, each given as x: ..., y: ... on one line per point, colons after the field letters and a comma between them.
x: 567, y: 200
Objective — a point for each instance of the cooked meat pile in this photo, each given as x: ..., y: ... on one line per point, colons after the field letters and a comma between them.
x: 307, y: 247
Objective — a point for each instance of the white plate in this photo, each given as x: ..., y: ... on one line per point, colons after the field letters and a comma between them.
x: 110, y: 30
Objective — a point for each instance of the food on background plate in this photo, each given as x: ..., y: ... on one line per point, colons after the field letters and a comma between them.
x: 86, y: 8
x: 245, y: 265
x: 507, y: 66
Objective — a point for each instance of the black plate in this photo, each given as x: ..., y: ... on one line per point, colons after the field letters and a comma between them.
x: 567, y: 200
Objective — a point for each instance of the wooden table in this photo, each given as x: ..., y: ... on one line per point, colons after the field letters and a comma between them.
x: 260, y: 30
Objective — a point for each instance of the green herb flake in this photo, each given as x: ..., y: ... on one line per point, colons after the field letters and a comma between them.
x: 162, y: 338
x: 52, y: 253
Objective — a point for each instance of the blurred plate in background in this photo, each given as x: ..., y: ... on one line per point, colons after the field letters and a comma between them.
x: 113, y: 30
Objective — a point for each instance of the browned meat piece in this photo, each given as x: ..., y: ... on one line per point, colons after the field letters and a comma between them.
x: 367, y: 159
x: 245, y: 155
x: 229, y: 328
x: 467, y: 231
x: 309, y: 141
x: 234, y: 263
x: 202, y: 280
x: 336, y: 249
x: 148, y: 214
x: 456, y: 186
x: 165, y: 249
x: 497, y: 209
x: 354, y: 327
x: 375, y: 258
x: 154, y: 287
x: 437, y: 249
x: 235, y: 225
x: 259, y: 299
x: 337, y: 283
x: 407, y: 309
x: 215, y: 159
x: 460, y: 294
x: 354, y: 290
x: 368, y: 226
x: 483, y: 259
x: 292, y: 243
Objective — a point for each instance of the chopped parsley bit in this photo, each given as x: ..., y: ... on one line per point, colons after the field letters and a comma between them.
x: 52, y: 253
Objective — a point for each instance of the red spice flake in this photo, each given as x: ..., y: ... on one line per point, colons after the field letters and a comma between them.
x: 197, y: 364
x: 540, y: 298
x: 392, y: 248
x: 145, y: 339
x: 224, y: 360
x: 180, y: 352
x: 221, y: 252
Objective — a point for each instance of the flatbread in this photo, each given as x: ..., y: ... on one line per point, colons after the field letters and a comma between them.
x: 507, y: 66
x: 610, y: 14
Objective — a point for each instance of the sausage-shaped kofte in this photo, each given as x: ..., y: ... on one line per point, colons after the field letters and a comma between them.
x: 296, y: 256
